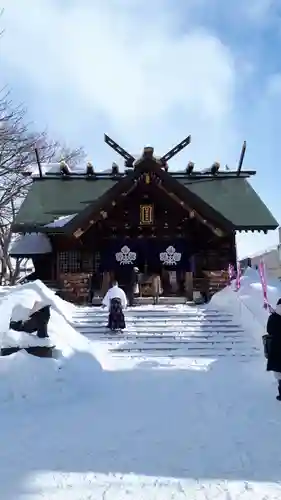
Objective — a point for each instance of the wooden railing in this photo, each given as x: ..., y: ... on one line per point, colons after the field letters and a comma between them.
x: 212, y: 282
x: 74, y: 287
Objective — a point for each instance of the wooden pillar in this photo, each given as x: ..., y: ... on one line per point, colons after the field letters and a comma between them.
x: 189, y: 285
x: 105, y: 283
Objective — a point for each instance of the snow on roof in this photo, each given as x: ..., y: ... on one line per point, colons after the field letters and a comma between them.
x: 52, y: 168
x: 61, y: 221
x: 55, y: 168
x: 31, y: 244
x: 46, y: 167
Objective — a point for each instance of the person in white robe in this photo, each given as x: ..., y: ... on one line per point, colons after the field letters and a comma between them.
x: 116, y: 301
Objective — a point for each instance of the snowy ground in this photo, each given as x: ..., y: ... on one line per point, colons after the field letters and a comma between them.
x: 71, y: 431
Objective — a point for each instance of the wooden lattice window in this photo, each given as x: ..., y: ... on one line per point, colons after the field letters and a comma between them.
x: 70, y: 262
x: 87, y: 262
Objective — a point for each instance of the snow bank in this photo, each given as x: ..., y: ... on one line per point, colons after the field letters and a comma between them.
x: 17, y: 304
x: 17, y: 301
x: 24, y: 340
x: 4, y: 290
x: 247, y: 303
x: 29, y: 378
x: 22, y: 375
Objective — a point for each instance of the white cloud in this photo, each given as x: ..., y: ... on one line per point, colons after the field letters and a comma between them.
x: 129, y: 66
x: 144, y: 72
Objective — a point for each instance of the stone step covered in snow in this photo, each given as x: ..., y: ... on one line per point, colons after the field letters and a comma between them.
x: 175, y: 331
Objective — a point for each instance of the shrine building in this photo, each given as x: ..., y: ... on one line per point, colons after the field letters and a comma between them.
x: 87, y: 225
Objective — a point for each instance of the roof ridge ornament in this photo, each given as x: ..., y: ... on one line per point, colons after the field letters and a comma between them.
x: 90, y: 171
x: 175, y: 150
x: 148, y: 152
x: 64, y: 168
x: 129, y: 159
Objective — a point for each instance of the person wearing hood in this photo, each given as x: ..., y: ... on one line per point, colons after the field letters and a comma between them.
x: 274, y: 345
x: 116, y: 301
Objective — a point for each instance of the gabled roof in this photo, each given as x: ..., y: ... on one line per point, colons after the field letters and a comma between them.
x: 169, y: 182
x: 225, y: 198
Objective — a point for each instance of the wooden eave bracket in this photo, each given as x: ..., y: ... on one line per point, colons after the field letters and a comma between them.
x: 217, y: 231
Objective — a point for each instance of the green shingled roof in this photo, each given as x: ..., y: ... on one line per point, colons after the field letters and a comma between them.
x: 233, y: 198
x: 51, y: 198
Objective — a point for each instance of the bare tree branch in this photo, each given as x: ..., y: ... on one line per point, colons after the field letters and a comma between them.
x: 17, y: 153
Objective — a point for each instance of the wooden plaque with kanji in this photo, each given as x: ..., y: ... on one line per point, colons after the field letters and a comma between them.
x: 146, y: 214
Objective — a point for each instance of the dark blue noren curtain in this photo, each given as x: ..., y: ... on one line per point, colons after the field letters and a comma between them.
x: 147, y: 251
x: 178, y: 248
x: 119, y: 248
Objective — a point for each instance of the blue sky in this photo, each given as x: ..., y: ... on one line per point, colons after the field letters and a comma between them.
x: 152, y: 73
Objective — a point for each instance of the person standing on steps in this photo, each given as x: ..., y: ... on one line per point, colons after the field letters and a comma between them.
x: 156, y: 288
x: 116, y: 301
x: 133, y: 287
x: 274, y: 345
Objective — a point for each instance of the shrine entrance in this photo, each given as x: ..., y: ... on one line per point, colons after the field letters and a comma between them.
x: 166, y: 258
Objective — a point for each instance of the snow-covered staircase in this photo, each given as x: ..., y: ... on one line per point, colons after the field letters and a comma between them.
x: 171, y: 331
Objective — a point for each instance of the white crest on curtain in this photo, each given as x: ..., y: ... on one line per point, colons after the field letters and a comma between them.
x: 126, y: 256
x: 170, y: 257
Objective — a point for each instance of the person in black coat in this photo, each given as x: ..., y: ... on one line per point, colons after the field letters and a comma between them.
x: 133, y: 282
x: 274, y: 347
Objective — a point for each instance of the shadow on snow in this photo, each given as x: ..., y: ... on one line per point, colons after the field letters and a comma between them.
x: 222, y: 423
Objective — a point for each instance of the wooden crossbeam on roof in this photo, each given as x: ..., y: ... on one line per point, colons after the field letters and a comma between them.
x: 122, y: 152
x: 175, y: 150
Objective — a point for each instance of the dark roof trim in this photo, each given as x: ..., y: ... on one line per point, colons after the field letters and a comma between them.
x: 19, y: 228
x: 256, y: 228
x: 178, y: 174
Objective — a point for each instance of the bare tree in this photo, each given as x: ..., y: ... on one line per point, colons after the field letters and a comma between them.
x: 17, y: 152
